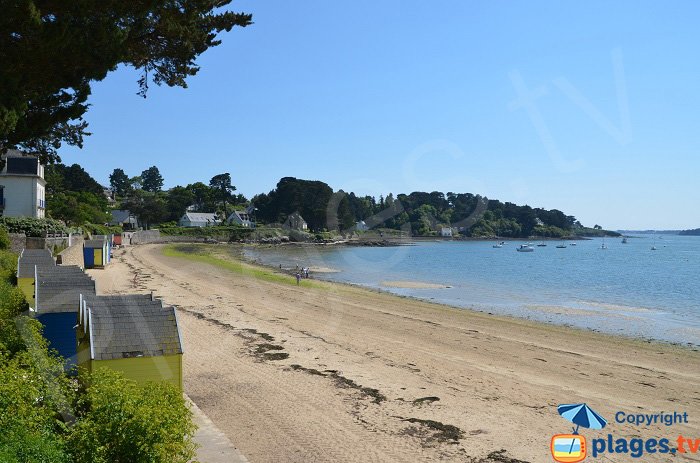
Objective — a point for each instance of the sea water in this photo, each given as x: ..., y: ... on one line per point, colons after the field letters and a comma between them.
x: 626, y: 289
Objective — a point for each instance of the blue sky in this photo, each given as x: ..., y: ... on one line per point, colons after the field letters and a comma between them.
x: 587, y: 107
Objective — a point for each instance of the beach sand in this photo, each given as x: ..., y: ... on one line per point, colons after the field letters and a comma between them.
x: 334, y: 373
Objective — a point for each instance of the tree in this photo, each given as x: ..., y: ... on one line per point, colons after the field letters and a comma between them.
x: 221, y: 185
x: 178, y: 200
x: 77, y: 208
x: 71, y: 178
x: 151, y: 180
x: 149, y: 207
x: 119, y: 182
x: 51, y: 52
x: 203, y: 197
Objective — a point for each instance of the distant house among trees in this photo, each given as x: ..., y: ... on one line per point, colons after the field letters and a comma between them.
x: 125, y: 219
x: 241, y: 218
x: 198, y: 219
x: 446, y: 232
x: 295, y: 222
x: 361, y: 226
x: 22, y: 186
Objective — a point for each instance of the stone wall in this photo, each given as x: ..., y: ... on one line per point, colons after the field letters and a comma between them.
x: 17, y: 242
x: 145, y: 236
x: 72, y: 255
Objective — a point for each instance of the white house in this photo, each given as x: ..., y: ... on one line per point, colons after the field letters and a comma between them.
x: 198, y: 219
x: 361, y: 226
x: 446, y: 231
x: 22, y: 186
x: 241, y: 218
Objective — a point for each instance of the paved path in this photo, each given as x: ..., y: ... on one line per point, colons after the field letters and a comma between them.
x: 215, y: 447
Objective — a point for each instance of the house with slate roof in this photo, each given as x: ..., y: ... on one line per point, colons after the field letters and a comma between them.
x: 56, y: 304
x: 198, y: 219
x: 136, y: 335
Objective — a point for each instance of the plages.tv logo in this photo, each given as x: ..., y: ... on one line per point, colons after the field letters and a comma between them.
x: 571, y: 448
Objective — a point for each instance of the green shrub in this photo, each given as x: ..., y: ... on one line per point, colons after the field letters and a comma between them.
x: 97, y: 229
x: 8, y: 266
x: 125, y: 422
x: 4, y: 238
x: 31, y: 226
x: 27, y: 415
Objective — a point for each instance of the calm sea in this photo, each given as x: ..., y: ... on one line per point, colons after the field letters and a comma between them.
x: 626, y: 289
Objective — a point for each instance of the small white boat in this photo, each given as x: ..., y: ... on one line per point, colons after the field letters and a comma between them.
x: 525, y: 248
x: 561, y: 246
x: 603, y: 246
x: 499, y: 245
x: 653, y: 248
x: 572, y: 244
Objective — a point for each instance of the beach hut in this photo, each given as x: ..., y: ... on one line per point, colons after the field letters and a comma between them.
x: 97, y: 251
x: 135, y: 335
x: 57, y: 301
x: 27, y: 262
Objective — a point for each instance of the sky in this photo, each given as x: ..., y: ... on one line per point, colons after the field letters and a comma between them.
x: 586, y: 107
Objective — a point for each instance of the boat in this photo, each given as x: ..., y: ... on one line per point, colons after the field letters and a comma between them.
x: 525, y: 248
x: 603, y: 246
x: 624, y: 240
x: 497, y: 245
x: 561, y: 246
x: 573, y: 244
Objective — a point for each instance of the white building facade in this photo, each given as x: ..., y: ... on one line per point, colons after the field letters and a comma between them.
x: 22, y: 186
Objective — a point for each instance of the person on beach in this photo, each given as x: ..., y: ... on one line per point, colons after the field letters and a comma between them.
x: 298, y: 275
x: 306, y: 272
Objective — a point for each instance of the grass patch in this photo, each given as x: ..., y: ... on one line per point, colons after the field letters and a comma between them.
x: 442, y: 432
x: 203, y: 254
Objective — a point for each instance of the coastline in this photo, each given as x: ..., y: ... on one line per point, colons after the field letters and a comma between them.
x: 336, y: 372
x: 237, y: 248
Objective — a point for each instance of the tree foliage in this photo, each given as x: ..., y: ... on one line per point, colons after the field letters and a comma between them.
x: 51, y: 52
x: 151, y: 180
x: 119, y: 182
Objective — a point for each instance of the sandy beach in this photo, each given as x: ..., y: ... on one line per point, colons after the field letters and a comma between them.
x: 334, y: 373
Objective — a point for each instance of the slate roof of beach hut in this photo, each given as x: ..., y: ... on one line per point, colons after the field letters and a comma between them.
x: 130, y: 326
x: 95, y: 244
x: 58, y: 289
x: 31, y: 258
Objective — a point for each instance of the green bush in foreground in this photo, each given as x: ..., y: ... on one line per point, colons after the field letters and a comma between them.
x: 46, y: 417
x: 4, y: 238
x: 32, y: 226
x: 126, y: 423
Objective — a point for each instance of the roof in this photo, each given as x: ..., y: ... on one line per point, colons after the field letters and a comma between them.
x: 95, y: 244
x: 33, y: 257
x: 244, y: 216
x: 121, y: 217
x: 58, y: 289
x: 130, y: 326
x: 200, y: 217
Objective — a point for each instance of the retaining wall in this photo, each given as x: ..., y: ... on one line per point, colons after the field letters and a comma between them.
x: 73, y: 255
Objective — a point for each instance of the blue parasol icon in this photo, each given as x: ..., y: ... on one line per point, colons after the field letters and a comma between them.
x: 581, y: 415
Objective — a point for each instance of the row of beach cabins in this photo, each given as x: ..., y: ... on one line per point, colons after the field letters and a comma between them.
x: 136, y: 335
